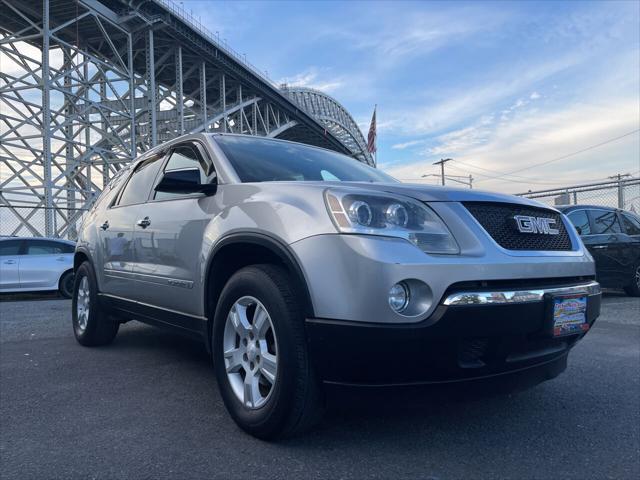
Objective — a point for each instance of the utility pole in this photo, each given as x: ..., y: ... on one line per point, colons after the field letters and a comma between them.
x: 441, y: 163
x: 619, y: 177
x: 470, y: 181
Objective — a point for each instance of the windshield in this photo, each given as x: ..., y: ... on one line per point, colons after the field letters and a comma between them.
x: 264, y: 160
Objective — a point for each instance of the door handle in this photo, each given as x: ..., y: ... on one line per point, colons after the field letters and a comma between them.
x: 144, y: 223
x: 60, y: 258
x: 599, y: 247
x: 9, y: 262
x: 105, y: 225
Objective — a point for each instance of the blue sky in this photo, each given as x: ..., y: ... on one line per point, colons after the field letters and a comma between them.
x: 498, y: 86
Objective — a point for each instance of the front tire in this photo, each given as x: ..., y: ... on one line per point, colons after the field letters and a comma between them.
x: 91, y: 325
x: 260, y: 355
x: 633, y: 289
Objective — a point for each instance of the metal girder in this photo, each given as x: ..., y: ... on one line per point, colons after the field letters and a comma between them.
x: 51, y: 90
x: 86, y: 85
x: 334, y: 117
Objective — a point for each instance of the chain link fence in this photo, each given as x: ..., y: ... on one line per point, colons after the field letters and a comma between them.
x: 621, y: 193
x: 30, y: 221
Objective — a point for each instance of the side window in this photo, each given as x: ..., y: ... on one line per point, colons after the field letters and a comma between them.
x: 184, y: 157
x: 115, y: 182
x: 10, y: 247
x: 604, y: 222
x: 580, y: 220
x: 631, y: 224
x: 67, y: 248
x: 43, y: 247
x: 137, y: 189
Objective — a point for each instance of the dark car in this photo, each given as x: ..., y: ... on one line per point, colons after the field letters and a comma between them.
x: 613, y: 238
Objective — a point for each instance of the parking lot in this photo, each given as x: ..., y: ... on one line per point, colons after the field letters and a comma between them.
x: 148, y: 407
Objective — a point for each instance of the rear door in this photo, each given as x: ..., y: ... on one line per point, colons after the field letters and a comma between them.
x: 630, y: 244
x: 168, y: 238
x: 10, y: 263
x: 116, y: 229
x: 43, y: 262
x: 607, y: 246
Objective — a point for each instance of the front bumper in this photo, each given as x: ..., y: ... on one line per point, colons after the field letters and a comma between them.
x: 349, y: 276
x: 458, y: 342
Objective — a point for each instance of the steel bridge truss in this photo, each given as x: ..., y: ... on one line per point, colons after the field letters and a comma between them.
x: 85, y: 85
x: 334, y: 117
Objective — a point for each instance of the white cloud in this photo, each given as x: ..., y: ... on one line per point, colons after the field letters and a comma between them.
x: 409, y: 32
x: 411, y: 143
x: 464, y: 102
x: 310, y: 79
x: 532, y: 138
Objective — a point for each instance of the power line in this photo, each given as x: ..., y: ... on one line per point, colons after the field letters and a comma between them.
x: 525, y: 180
x: 563, y: 157
x: 533, y: 182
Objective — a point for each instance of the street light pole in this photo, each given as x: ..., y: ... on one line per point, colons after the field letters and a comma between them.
x: 441, y: 163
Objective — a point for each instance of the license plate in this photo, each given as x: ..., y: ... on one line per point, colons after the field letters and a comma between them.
x: 569, y: 316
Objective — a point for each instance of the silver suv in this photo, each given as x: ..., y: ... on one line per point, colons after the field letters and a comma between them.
x: 300, y: 267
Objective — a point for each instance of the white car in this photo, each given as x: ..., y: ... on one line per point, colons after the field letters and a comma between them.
x: 36, y: 264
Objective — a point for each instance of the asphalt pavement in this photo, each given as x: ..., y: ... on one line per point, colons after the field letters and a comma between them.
x: 148, y: 407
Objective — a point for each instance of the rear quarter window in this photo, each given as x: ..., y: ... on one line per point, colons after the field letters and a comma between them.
x: 631, y: 224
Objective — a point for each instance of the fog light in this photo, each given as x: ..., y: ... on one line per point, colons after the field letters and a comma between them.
x: 399, y: 297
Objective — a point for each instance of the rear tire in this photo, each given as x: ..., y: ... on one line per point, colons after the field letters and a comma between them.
x: 65, y: 285
x: 91, y: 325
x: 287, y: 399
x: 633, y: 289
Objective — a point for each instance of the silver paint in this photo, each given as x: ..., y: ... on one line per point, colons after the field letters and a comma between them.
x: 175, y: 249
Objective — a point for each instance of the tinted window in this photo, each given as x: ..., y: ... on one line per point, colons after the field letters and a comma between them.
x: 10, y: 247
x: 264, y: 160
x: 580, y: 220
x: 605, y: 221
x: 115, y: 182
x: 631, y: 224
x: 183, y: 158
x: 137, y: 189
x: 45, y: 247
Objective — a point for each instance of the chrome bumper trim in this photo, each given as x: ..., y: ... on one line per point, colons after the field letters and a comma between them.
x: 518, y: 296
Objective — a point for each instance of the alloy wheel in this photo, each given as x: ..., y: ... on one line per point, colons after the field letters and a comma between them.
x: 83, y: 303
x: 250, y: 352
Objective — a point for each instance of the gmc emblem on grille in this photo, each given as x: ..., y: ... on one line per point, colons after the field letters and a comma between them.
x: 528, y: 224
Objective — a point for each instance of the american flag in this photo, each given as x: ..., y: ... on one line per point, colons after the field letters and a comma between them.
x: 371, y: 139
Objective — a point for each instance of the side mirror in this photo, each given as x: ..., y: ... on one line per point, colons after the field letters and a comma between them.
x: 185, y: 181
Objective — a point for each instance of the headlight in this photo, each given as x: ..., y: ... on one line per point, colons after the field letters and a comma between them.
x: 385, y: 214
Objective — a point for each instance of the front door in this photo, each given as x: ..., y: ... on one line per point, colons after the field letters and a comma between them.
x: 169, y: 236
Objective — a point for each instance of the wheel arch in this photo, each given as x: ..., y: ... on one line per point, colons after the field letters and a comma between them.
x: 81, y: 255
x: 236, y: 251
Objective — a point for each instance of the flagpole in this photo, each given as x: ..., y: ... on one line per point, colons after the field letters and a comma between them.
x: 372, y: 137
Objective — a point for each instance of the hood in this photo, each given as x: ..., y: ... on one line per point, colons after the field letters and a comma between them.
x: 436, y: 193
